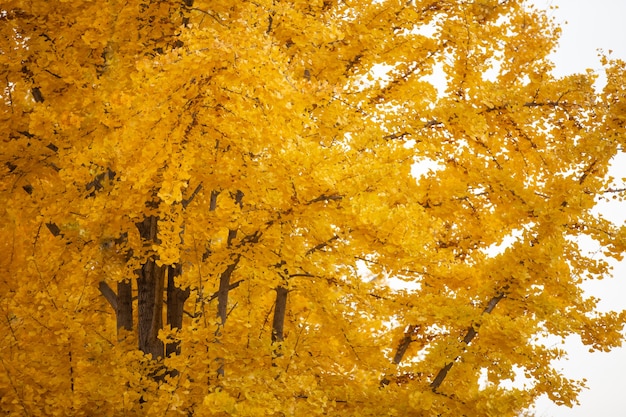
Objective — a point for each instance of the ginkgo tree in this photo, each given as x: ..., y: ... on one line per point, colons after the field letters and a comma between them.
x: 273, y: 208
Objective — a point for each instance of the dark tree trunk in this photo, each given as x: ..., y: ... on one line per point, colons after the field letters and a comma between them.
x: 150, y: 308
x: 225, y: 286
x: 176, y: 298
x: 222, y: 292
x: 150, y: 285
x: 280, y: 309
x: 124, y: 305
x: 278, y: 324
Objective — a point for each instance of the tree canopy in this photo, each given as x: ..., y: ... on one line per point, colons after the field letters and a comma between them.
x: 297, y: 208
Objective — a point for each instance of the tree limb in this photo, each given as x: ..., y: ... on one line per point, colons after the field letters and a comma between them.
x: 408, y: 337
x: 230, y: 287
x: 469, y: 336
x: 108, y: 294
x: 186, y: 202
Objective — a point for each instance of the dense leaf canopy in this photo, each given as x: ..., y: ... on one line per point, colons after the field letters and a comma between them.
x: 297, y: 208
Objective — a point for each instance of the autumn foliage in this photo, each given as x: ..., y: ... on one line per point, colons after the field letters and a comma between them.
x: 301, y: 208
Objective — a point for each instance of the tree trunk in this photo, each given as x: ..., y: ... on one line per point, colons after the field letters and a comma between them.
x: 150, y: 308
x: 150, y: 283
x: 278, y: 324
x: 176, y: 298
x: 280, y: 309
x: 222, y: 292
x: 124, y: 305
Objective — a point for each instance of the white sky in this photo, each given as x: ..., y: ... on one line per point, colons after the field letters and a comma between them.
x: 593, y: 25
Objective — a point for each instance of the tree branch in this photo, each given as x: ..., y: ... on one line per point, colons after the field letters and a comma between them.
x: 186, y: 202
x: 469, y: 336
x: 325, y: 198
x: 108, y: 294
x: 408, y: 337
x: 321, y: 245
x: 230, y: 287
x: 222, y: 292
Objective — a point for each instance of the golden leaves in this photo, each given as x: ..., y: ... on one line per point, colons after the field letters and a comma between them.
x: 253, y: 138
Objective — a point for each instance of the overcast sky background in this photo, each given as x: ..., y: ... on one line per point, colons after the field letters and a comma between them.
x: 586, y: 27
